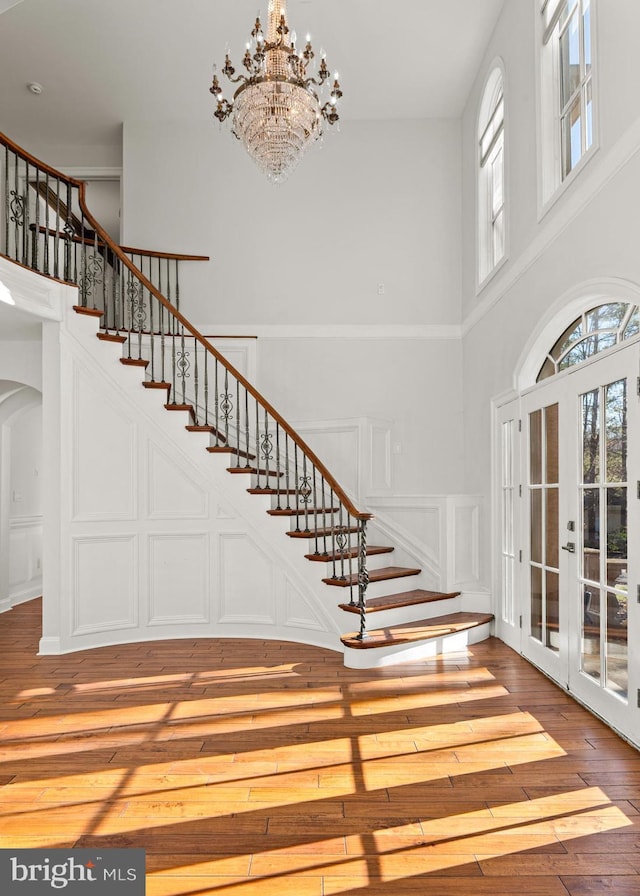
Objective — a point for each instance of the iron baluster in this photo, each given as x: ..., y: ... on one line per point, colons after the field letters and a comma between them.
x: 305, y: 494
x: 324, y: 518
x: 67, y: 231
x: 266, y: 485
x: 56, y: 237
x: 265, y: 449
x: 195, y: 381
x: 363, y: 577
x: 25, y: 221
x: 341, y: 542
x: 315, y: 504
x: 278, y: 467
x: 6, y: 200
x: 287, y: 480
x: 350, y: 557
x: 152, y: 338
x: 237, y: 438
x: 36, y: 232
x: 297, y: 482
x: 163, y: 372
x: 45, y: 247
x: 225, y: 406
x: 247, y: 425
x: 177, y: 283
x: 217, y: 402
x: 206, y: 388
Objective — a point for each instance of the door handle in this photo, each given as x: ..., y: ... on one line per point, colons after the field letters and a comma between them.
x: 569, y: 546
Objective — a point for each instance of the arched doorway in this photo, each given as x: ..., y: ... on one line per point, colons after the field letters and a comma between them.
x: 568, y: 474
x: 20, y: 493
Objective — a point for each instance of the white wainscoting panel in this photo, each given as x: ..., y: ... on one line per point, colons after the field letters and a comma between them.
x: 246, y: 581
x: 105, y: 583
x: 296, y: 610
x: 171, y: 492
x: 179, y: 578
x: 25, y: 558
x: 357, y: 451
x: 465, y: 537
x: 105, y: 491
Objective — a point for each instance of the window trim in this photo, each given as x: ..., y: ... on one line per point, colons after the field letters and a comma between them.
x: 551, y: 184
x: 493, y: 103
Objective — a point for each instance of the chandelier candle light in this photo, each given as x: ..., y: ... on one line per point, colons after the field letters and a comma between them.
x: 278, y: 110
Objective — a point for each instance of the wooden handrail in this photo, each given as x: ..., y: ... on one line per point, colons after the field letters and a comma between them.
x: 23, y: 154
x: 147, y: 253
x: 120, y: 253
x: 335, y: 485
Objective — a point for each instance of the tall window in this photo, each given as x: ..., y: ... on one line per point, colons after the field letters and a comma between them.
x: 491, y: 180
x: 567, y: 89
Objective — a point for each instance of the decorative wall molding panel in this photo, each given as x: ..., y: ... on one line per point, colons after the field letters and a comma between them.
x: 357, y: 450
x: 105, y: 567
x: 102, y: 429
x: 25, y: 559
x: 443, y: 530
x: 246, y: 581
x: 179, y: 578
x: 172, y: 493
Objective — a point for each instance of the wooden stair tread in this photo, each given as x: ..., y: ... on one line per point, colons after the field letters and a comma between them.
x: 422, y: 630
x: 206, y: 427
x: 93, y: 312
x: 403, y: 599
x: 372, y: 550
x: 253, y: 470
x: 375, y: 575
x: 179, y: 407
x: 320, y: 533
x: 111, y: 337
x: 227, y: 449
x: 134, y: 362
x: 156, y: 384
x: 273, y: 491
x: 302, y: 511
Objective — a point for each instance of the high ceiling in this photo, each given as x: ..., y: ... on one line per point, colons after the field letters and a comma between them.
x: 102, y: 62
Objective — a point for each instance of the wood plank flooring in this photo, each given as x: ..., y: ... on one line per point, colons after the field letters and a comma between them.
x: 257, y: 767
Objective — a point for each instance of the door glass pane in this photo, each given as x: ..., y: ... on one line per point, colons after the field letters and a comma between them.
x: 591, y: 437
x: 617, y: 652
x: 591, y: 534
x: 616, y: 431
x: 536, y: 526
x: 536, y: 603
x: 551, y: 438
x: 552, y: 605
x: 590, y: 660
x: 535, y: 447
x: 616, y: 533
x: 552, y: 528
x: 604, y: 529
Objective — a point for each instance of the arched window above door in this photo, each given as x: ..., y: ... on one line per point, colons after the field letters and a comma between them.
x: 594, y: 331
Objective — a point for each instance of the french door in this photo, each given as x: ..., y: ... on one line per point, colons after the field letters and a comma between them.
x: 577, y: 579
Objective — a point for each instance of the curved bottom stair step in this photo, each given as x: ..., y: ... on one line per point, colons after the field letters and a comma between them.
x: 403, y: 599
x: 423, y: 630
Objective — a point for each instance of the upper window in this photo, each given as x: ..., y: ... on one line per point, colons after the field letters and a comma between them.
x: 567, y: 87
x: 591, y: 333
x: 491, y: 180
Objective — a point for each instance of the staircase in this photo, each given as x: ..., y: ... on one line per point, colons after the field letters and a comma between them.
x: 49, y: 230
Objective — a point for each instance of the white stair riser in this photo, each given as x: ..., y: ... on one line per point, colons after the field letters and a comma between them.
x: 413, y: 613
x: 378, y: 657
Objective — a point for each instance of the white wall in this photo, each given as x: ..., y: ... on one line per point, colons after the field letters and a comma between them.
x: 379, y: 203
x: 591, y: 233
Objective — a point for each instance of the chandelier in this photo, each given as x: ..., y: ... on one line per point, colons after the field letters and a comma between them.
x: 278, y: 109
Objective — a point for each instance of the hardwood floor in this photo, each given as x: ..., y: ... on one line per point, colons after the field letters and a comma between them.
x: 257, y: 767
